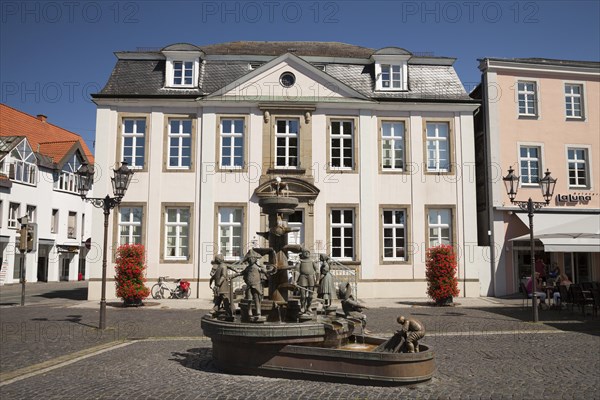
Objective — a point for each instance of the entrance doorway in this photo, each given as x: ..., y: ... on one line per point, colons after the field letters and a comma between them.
x: 64, y: 269
x: 42, y: 269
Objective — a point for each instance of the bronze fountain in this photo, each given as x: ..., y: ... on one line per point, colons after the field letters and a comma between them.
x: 281, y: 336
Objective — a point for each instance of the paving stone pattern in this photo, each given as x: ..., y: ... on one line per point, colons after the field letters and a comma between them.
x: 558, y: 358
x: 467, y: 367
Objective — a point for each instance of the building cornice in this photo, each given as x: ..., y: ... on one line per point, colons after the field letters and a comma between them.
x: 487, y: 65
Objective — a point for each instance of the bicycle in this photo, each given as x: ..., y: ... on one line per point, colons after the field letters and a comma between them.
x: 162, y: 291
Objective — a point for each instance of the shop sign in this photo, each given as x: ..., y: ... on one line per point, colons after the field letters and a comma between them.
x: 573, y: 198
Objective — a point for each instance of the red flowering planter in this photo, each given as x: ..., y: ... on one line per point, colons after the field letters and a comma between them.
x: 130, y: 274
x: 442, y: 283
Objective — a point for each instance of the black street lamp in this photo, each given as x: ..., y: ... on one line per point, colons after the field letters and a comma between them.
x: 120, y: 182
x: 547, y: 184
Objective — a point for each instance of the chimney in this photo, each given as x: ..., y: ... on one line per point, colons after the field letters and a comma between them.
x: 42, y: 117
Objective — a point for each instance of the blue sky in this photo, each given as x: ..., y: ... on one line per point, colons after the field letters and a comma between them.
x: 53, y: 54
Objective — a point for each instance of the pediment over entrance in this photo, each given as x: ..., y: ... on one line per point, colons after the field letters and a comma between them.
x: 304, y: 191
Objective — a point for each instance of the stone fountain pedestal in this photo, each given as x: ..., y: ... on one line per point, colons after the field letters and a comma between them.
x: 323, y: 349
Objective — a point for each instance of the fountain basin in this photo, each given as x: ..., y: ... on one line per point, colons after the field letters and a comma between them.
x: 313, y: 350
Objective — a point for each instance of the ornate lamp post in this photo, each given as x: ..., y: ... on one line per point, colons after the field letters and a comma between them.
x: 120, y: 182
x: 547, y: 184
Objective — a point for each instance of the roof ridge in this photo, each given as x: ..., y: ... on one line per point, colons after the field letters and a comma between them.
x: 60, y: 141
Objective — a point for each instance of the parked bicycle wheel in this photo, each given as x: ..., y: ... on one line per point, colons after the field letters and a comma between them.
x: 156, y: 291
x: 166, y: 293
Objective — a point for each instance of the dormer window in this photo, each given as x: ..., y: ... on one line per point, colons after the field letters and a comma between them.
x: 182, y: 66
x: 182, y: 73
x: 22, y: 164
x: 391, y: 69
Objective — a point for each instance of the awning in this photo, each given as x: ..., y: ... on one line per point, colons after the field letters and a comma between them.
x: 565, y: 232
x: 46, y: 242
x: 4, y: 239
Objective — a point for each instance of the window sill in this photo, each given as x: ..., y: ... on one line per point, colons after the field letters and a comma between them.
x: 192, y: 86
x: 347, y: 262
x: 282, y: 170
x: 24, y: 183
x: 394, y: 262
x: 575, y: 119
x: 528, y: 116
x: 177, y: 260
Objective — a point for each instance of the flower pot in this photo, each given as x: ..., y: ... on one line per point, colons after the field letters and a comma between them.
x: 133, y: 302
x: 446, y: 301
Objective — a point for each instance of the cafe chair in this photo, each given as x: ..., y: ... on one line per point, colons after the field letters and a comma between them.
x: 580, y: 298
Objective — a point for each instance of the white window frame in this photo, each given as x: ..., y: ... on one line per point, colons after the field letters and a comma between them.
x: 54, y: 220
x: 570, y: 97
x: 136, y: 137
x: 178, y: 224
x: 230, y: 225
x: 438, y: 141
x: 394, y: 226
x: 341, y: 137
x: 183, y: 67
x: 340, y: 252
x: 436, y: 238
x: 13, y: 214
x: 180, y: 136
x: 577, y: 161
x: 286, y: 136
x: 392, y: 140
x: 394, y: 77
x: 68, y: 180
x: 23, y: 163
x: 31, y: 212
x: 529, y: 159
x: 72, y: 229
x: 529, y: 98
x: 233, y: 136
x: 130, y: 225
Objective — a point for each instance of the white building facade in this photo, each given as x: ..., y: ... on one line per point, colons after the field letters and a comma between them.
x: 377, y: 145
x: 37, y: 164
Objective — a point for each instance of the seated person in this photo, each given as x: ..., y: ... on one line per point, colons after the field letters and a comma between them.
x: 564, y: 281
x: 538, y: 283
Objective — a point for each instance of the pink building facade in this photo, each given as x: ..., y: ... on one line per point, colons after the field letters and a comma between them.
x: 538, y: 115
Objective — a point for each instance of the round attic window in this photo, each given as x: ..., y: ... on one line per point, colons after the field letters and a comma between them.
x: 287, y: 79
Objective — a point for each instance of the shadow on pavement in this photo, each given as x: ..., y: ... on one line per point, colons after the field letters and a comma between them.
x: 76, y: 319
x: 198, y: 359
x: 70, y: 294
x: 563, y: 320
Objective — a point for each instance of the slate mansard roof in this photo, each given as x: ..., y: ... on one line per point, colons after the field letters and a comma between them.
x: 142, y: 74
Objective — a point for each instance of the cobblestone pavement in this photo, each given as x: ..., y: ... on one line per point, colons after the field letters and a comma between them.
x: 55, y: 351
x: 467, y: 367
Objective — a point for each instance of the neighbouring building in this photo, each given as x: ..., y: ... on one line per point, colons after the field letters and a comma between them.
x: 538, y: 114
x: 378, y: 146
x: 38, y: 161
